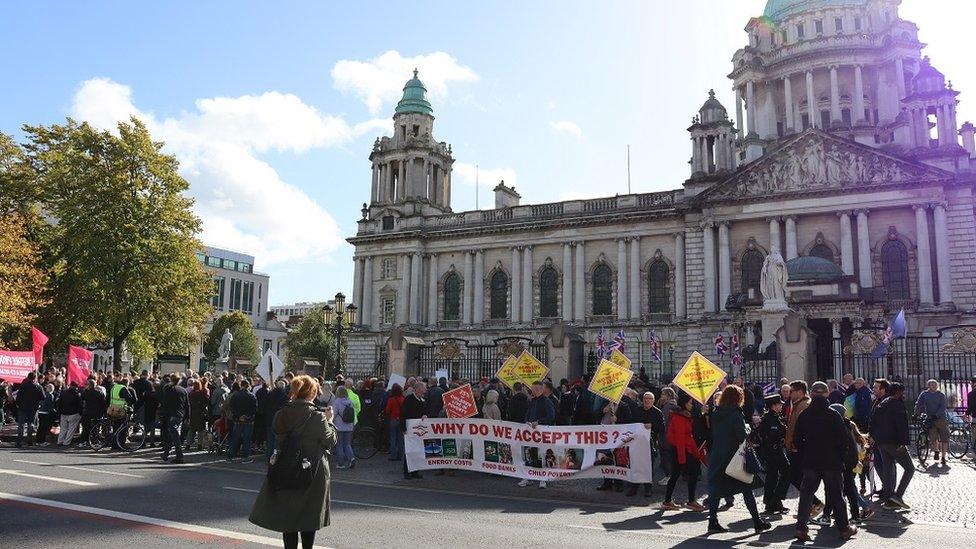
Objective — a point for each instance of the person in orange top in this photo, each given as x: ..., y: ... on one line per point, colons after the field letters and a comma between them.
x: 686, y: 456
x: 392, y: 413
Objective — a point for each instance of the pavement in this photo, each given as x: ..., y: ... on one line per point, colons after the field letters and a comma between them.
x: 77, y: 498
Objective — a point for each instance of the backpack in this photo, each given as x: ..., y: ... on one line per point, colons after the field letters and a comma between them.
x: 289, y: 468
x: 348, y: 414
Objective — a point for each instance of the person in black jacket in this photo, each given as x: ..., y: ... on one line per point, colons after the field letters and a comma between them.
x: 653, y: 420
x: 174, y: 408
x: 823, y: 440
x: 414, y: 407
x: 242, y: 406
x: 518, y: 405
x: 29, y: 398
x: 772, y: 450
x: 277, y: 399
x: 567, y: 406
x: 889, y: 429
x: 69, y: 404
x: 93, y: 404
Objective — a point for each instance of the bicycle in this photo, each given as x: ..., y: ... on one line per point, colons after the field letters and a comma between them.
x: 365, y: 442
x: 130, y: 435
x: 922, y: 443
x: 959, y: 440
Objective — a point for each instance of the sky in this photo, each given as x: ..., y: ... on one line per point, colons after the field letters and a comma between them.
x: 271, y: 108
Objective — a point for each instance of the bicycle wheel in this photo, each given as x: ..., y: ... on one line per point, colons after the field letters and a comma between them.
x: 100, y: 434
x: 131, y: 436
x: 364, y: 443
x: 922, y: 447
x: 958, y: 443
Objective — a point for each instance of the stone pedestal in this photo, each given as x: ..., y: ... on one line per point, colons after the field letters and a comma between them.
x: 797, y: 348
x: 772, y: 321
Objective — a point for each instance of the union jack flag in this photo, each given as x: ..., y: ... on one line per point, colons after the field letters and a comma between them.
x: 618, y: 341
x: 720, y: 346
x: 655, y: 347
x: 601, y: 345
x: 770, y: 388
x: 736, y: 350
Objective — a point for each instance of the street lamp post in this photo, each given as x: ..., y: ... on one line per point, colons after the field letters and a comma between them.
x: 334, y: 325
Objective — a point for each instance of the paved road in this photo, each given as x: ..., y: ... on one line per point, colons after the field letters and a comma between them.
x: 53, y: 499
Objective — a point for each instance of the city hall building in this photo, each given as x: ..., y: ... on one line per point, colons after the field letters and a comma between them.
x: 842, y: 153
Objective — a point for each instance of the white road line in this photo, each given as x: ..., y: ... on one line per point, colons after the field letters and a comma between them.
x: 90, y: 470
x: 53, y: 479
x: 704, y: 540
x: 429, y: 511
x: 31, y: 462
x: 205, y: 530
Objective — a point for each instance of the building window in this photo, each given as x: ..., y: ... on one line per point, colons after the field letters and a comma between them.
x: 267, y: 344
x: 839, y: 24
x: 857, y: 23
x: 387, y: 222
x: 805, y: 120
x: 387, y: 309
x: 784, y: 36
x: 389, y: 268
x: 825, y: 119
x: 822, y: 251
x: 499, y: 295
x: 752, y: 262
x: 247, y: 301
x: 236, y: 287
x: 818, y: 26
x: 201, y: 257
x: 602, y: 290
x: 218, y: 299
x: 799, y: 31
x: 658, y: 276
x: 894, y: 270
x: 548, y: 293
x: 230, y: 264
x: 452, y: 297
x: 213, y: 261
x: 845, y: 116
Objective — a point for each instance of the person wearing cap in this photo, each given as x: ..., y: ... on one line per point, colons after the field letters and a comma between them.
x: 772, y: 449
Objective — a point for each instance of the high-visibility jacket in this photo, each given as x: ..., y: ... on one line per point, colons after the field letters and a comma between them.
x: 116, y: 398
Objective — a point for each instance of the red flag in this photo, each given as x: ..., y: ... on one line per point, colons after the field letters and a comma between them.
x: 79, y: 365
x: 40, y: 340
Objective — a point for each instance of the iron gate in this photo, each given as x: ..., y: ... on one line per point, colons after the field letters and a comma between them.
x: 473, y: 361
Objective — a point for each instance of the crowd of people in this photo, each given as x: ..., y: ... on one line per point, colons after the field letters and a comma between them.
x: 841, y: 434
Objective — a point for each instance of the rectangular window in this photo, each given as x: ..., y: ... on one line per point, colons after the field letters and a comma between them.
x: 248, y: 298
x: 845, y: 115
x: 825, y: 119
x: 267, y: 344
x: 799, y: 31
x: 389, y: 269
x: 784, y: 36
x: 839, y: 24
x: 213, y: 261
x: 387, y: 222
x: 388, y: 309
x: 236, y: 287
x: 818, y: 26
x: 201, y: 257
x: 857, y: 23
x: 805, y: 119
x: 218, y: 299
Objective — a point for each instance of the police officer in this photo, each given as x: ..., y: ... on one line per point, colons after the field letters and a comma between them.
x: 772, y: 449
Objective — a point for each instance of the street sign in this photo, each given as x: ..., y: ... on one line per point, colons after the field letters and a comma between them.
x: 699, y: 377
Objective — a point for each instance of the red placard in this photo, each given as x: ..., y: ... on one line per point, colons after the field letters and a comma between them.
x: 15, y: 365
x: 459, y: 403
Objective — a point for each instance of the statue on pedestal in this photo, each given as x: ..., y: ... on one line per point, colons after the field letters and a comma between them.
x: 772, y: 281
x: 225, y: 341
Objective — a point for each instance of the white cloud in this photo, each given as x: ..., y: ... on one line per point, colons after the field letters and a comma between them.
x: 243, y: 202
x: 380, y: 80
x: 466, y: 174
x: 567, y: 127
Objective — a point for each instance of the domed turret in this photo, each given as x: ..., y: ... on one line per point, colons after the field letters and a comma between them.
x: 812, y: 268
x: 414, y: 97
x: 928, y: 79
x: 712, y: 110
x: 712, y: 139
x: 777, y: 10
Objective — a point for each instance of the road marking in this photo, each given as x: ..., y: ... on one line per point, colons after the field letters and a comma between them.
x: 77, y: 468
x: 42, y: 477
x: 205, y: 530
x: 702, y: 538
x: 347, y: 502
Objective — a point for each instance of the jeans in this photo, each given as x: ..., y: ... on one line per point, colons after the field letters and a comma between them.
x: 28, y: 418
x: 747, y: 497
x: 833, y: 483
x: 889, y: 474
x: 796, y: 474
x: 240, y: 439
x: 68, y: 426
x: 171, y: 435
x: 343, y: 448
x: 396, y: 440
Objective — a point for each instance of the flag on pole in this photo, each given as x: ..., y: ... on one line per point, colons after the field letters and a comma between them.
x: 720, y: 346
x: 79, y: 365
x: 40, y: 340
x: 896, y: 330
x: 770, y: 388
x: 736, y: 350
x: 601, y: 345
x: 655, y: 347
x: 618, y: 341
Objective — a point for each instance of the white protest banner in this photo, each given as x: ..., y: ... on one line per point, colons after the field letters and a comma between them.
x: 396, y: 379
x: 439, y: 374
x: 516, y: 450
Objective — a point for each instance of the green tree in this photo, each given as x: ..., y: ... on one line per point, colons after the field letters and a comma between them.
x: 311, y: 338
x: 122, y: 249
x: 245, y: 343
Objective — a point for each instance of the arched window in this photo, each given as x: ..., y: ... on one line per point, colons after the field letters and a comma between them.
x: 894, y: 270
x: 602, y: 290
x: 548, y: 292
x: 658, y: 276
x: 822, y: 251
x: 752, y: 262
x: 452, y: 297
x: 499, y: 295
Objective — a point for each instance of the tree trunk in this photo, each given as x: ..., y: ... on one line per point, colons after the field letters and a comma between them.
x: 117, y: 343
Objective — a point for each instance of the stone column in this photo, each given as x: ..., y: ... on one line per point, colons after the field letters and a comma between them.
x: 466, y: 295
x: 516, y: 284
x: 900, y: 77
x: 846, y: 243
x: 479, y: 287
x: 528, y: 272
x: 858, y: 96
x: 813, y: 110
x: 635, y: 293
x: 403, y: 298
x: 835, y: 114
x: 579, y: 285
x: 788, y: 103
x: 415, y: 277
x: 680, y: 306
x: 738, y: 112
x: 751, y: 107
x: 942, y: 253
x: 567, y: 282
x: 403, y: 187
x: 432, y: 276
x: 366, y: 307
x: 724, y: 265
x: 709, y: 244
x: 924, y: 255
x: 863, y: 250
x: 622, y: 299
x: 774, y: 235
x: 695, y: 156
x: 357, y: 283
x: 374, y: 192
x: 791, y: 251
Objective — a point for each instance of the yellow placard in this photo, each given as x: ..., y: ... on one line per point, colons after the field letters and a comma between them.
x: 529, y: 368
x: 699, y: 377
x: 610, y: 381
x: 506, y: 374
x: 620, y: 359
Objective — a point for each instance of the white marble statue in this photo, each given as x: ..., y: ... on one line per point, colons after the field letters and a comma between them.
x: 225, y: 342
x: 772, y: 282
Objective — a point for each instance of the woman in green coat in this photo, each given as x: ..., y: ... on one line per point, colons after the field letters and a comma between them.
x: 728, y: 430
x: 304, y: 510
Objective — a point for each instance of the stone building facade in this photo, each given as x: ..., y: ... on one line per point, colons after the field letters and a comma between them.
x: 844, y: 155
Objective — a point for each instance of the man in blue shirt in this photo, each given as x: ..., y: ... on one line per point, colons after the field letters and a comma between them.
x: 932, y: 402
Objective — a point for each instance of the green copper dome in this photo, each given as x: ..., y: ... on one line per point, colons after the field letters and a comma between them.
x: 777, y: 10
x: 414, y: 97
x: 812, y: 268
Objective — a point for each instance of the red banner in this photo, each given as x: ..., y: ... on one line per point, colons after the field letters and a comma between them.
x: 459, y: 403
x: 79, y: 365
x: 15, y: 365
x: 40, y: 340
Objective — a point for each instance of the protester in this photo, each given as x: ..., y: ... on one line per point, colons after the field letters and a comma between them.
x: 93, y: 405
x: 344, y: 421
x: 668, y: 406
x: 300, y: 512
x: 772, y: 449
x: 859, y: 508
x: 241, y: 408
x: 932, y: 402
x: 392, y: 412
x: 798, y: 403
x: 30, y: 395
x: 686, y: 457
x: 199, y: 414
x: 653, y: 421
x: 414, y: 407
x: 46, y: 414
x: 541, y: 411
x: 69, y: 406
x: 277, y: 399
x: 518, y: 405
x: 174, y: 406
x: 889, y: 429
x: 491, y: 409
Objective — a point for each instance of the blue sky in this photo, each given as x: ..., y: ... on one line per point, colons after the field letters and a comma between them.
x: 272, y: 107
